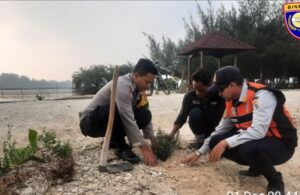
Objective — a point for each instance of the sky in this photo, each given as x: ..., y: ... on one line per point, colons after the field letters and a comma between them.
x: 52, y: 39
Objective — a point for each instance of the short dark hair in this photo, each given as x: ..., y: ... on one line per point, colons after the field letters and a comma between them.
x: 201, y: 75
x: 145, y: 66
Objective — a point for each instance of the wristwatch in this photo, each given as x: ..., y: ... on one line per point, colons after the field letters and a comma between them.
x: 198, y: 153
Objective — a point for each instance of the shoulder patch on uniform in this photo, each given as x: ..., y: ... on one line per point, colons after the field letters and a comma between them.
x: 255, y: 102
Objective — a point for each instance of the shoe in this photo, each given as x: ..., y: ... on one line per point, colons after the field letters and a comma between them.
x: 276, y: 185
x: 127, y: 155
x: 249, y: 173
x: 197, y: 143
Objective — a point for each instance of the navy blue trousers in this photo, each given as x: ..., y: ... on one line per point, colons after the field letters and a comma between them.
x: 95, y: 124
x: 197, y: 123
x: 260, y: 155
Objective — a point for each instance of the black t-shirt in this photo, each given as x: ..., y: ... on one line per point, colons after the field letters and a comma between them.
x: 212, y: 106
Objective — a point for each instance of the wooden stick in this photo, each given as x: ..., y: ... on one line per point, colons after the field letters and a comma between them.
x: 105, y: 146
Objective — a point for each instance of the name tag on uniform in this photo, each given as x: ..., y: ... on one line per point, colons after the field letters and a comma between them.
x: 233, y: 111
x: 234, y: 120
x: 196, y: 102
x: 213, y: 103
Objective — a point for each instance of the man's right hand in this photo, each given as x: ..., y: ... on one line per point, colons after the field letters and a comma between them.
x: 190, y: 160
x: 149, y: 156
x: 171, y: 135
x: 173, y: 131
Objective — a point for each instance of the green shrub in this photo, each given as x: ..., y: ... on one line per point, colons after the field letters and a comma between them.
x: 13, y: 156
x: 164, y: 145
x: 47, y: 139
x: 39, y: 97
x: 63, y: 150
x: 171, y: 84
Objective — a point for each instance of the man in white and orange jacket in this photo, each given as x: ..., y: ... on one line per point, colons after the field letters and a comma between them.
x: 256, y: 129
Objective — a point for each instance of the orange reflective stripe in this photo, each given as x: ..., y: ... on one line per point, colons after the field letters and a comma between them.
x: 244, y: 125
x: 274, y: 130
x: 269, y: 134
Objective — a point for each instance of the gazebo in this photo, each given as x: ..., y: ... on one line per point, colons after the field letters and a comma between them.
x: 215, y: 44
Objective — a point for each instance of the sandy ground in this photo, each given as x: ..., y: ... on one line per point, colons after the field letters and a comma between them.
x: 61, y: 116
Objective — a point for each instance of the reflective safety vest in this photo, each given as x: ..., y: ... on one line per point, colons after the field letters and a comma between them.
x: 281, y: 125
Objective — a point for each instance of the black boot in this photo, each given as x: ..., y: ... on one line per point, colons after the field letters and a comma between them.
x: 251, y: 172
x: 125, y: 153
x: 276, y: 184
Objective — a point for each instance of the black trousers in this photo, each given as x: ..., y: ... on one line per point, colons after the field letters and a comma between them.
x: 261, y: 155
x: 95, y: 124
x: 198, y: 124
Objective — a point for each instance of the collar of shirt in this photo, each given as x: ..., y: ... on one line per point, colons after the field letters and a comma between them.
x: 243, y: 96
x: 130, y: 75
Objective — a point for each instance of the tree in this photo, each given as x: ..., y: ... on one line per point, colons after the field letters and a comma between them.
x: 90, y: 80
x: 257, y: 22
x: 164, y: 54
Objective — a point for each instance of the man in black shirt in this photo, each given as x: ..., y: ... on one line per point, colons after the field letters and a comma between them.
x: 204, y: 109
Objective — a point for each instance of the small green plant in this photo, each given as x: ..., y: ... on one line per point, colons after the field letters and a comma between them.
x: 49, y: 141
x: 39, y: 97
x: 13, y: 156
x: 4, y: 165
x: 63, y: 150
x: 164, y: 145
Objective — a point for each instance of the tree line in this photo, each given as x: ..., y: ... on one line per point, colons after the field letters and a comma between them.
x: 260, y: 23
x: 276, y: 59
x: 14, y: 81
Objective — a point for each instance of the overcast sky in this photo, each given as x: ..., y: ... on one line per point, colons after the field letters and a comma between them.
x: 52, y: 39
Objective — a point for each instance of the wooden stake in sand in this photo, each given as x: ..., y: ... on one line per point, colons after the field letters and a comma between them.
x: 105, y: 146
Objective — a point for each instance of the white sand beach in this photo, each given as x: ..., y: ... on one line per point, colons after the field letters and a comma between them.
x: 61, y: 116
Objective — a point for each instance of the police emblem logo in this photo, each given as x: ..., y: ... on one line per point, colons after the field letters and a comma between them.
x: 233, y: 110
x: 291, y: 12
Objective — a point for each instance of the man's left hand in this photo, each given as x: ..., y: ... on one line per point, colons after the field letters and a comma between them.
x: 218, y: 150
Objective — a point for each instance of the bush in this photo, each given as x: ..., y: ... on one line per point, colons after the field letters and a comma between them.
x: 63, y: 150
x: 13, y: 156
x: 39, y: 97
x: 49, y: 141
x: 171, y: 84
x: 164, y: 145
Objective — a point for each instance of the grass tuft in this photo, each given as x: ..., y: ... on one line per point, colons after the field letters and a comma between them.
x: 164, y: 145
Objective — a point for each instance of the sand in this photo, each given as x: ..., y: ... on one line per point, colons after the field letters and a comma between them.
x: 61, y: 116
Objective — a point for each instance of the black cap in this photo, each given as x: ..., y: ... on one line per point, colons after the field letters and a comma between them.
x: 224, y: 76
